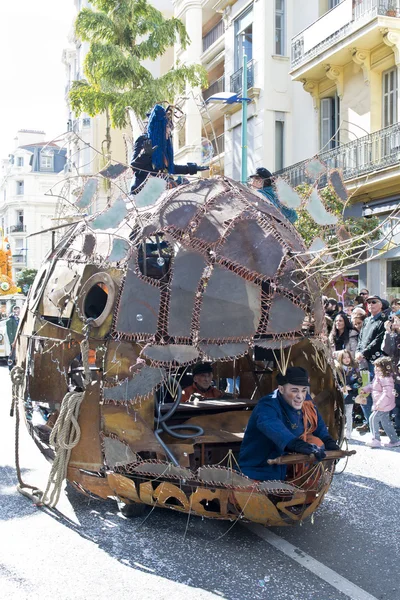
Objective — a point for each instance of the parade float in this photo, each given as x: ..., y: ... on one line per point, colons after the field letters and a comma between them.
x: 124, y: 306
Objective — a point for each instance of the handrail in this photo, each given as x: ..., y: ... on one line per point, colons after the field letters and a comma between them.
x: 213, y: 35
x: 371, y: 152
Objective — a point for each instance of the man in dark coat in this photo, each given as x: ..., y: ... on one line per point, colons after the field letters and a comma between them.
x: 153, y: 151
x: 277, y: 426
x: 369, y: 346
x: 261, y: 181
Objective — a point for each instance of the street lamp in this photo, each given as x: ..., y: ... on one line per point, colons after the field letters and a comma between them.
x: 232, y: 98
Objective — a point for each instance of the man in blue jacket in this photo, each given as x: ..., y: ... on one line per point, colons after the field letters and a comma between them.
x: 277, y: 426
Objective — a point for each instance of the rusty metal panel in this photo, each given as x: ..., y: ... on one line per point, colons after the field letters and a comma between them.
x: 231, y: 306
x: 284, y: 315
x: 141, y: 383
x: 58, y: 295
x: 179, y: 353
x: 221, y: 351
x: 87, y: 454
x: 187, y: 271
x: 217, y: 217
x: 253, y: 247
x: 138, y: 305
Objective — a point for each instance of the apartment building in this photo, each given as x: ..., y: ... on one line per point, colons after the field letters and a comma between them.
x: 348, y: 61
x: 85, y: 149
x: 281, y: 122
x: 33, y: 168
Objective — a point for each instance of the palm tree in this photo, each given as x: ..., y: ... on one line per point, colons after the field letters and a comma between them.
x: 122, y: 34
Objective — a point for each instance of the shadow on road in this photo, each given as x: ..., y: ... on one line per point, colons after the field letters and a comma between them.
x: 226, y: 559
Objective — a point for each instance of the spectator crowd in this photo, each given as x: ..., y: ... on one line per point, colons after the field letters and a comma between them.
x: 365, y: 341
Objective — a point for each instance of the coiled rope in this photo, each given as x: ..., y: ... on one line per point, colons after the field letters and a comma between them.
x: 64, y: 436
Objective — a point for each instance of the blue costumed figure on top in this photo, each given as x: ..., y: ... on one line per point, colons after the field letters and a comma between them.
x: 153, y: 151
x: 262, y: 182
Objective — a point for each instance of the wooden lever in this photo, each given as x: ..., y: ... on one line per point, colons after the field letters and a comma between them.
x: 294, y: 459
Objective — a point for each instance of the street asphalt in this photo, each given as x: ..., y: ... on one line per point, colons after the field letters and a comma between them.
x: 87, y: 550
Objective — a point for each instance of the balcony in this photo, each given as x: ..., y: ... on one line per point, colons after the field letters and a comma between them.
x: 214, y: 88
x: 236, y: 78
x: 19, y: 258
x: 16, y: 228
x: 218, y: 145
x: 213, y: 35
x: 363, y: 156
x: 350, y: 19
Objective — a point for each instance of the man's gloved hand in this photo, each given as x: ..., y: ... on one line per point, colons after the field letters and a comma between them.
x: 193, y: 168
x: 330, y: 444
x: 298, y: 445
x: 147, y: 147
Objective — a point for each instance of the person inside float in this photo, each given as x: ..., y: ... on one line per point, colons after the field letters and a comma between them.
x: 284, y: 421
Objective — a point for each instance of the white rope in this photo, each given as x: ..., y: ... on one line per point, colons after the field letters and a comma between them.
x: 65, y: 435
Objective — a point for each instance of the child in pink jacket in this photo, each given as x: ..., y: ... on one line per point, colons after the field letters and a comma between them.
x: 383, y: 401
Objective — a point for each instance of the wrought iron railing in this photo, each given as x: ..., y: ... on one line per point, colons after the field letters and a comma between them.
x: 214, y: 88
x: 236, y: 78
x: 364, y: 155
x: 362, y: 11
x: 218, y: 144
x: 213, y: 35
x: 16, y: 228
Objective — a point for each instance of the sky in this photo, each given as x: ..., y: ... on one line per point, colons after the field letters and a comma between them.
x: 33, y: 34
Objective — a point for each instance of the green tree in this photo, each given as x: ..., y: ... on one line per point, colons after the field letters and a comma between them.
x: 349, y: 239
x: 25, y: 279
x: 122, y: 34
x: 309, y: 230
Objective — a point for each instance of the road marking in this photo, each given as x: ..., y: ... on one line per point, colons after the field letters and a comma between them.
x: 342, y: 584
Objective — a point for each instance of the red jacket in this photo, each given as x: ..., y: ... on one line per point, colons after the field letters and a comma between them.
x: 211, y: 393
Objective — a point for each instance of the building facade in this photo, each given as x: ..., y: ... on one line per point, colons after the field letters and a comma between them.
x: 348, y: 60
x: 29, y: 174
x: 280, y: 114
x: 87, y: 151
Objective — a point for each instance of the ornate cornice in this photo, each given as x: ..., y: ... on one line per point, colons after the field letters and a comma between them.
x: 362, y: 58
x: 392, y: 39
x: 335, y: 73
x: 312, y: 87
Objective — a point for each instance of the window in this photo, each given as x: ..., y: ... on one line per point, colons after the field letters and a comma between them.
x: 279, y: 140
x: 20, y: 161
x: 389, y: 100
x: 19, y: 243
x: 280, y: 27
x: 237, y: 150
x: 20, y: 188
x: 20, y: 217
x: 46, y: 162
x: 86, y: 122
x: 393, y: 278
x: 330, y: 122
x: 243, y: 38
x: 333, y: 3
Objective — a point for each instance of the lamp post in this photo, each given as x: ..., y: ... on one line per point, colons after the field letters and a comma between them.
x: 244, y: 121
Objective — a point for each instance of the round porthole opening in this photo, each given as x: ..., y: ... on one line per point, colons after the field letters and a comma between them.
x: 95, y: 301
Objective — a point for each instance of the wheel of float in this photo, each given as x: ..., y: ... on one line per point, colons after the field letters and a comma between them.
x: 131, y: 510
x: 341, y: 463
